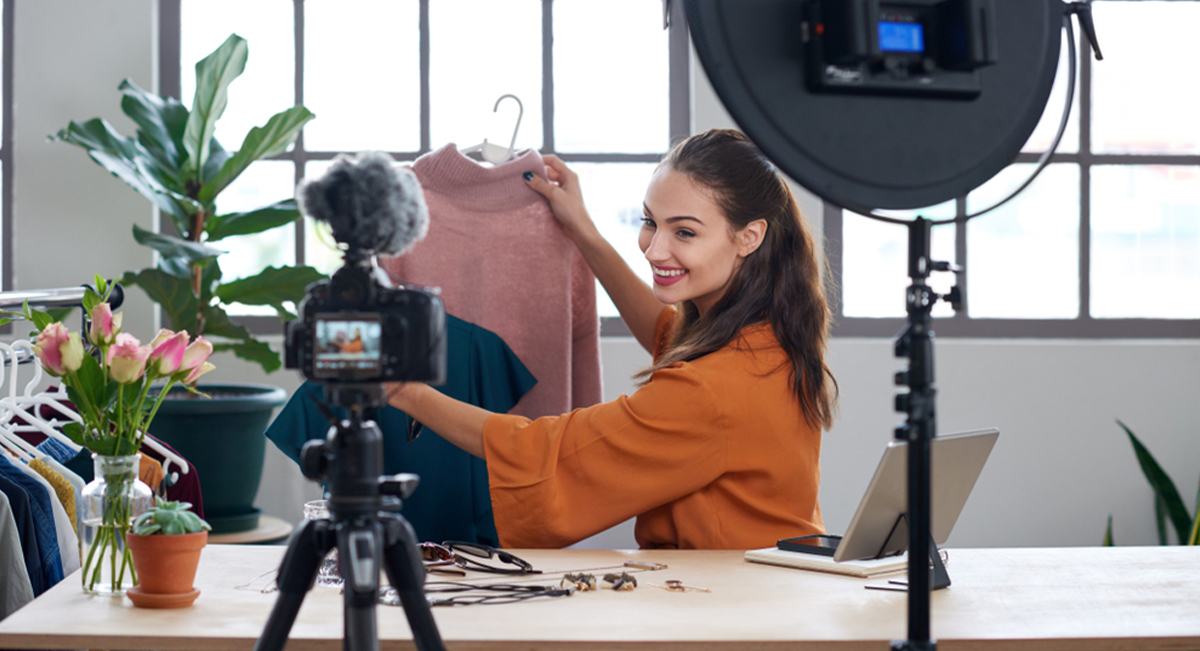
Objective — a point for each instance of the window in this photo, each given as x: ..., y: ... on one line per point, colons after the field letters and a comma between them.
x: 603, y: 86
x: 1105, y: 243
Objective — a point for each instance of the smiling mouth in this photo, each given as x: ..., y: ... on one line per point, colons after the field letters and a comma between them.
x: 664, y: 276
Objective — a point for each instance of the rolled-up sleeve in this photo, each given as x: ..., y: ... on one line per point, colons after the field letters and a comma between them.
x: 557, y: 480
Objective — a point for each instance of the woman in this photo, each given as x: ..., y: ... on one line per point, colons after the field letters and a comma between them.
x: 719, y: 448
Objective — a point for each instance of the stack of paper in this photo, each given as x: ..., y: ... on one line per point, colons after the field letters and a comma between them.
x: 864, y: 569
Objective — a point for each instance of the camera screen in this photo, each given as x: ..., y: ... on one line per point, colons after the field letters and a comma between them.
x: 346, y: 344
x: 901, y: 37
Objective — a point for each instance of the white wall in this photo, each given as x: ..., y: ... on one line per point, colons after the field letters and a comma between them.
x: 1060, y: 467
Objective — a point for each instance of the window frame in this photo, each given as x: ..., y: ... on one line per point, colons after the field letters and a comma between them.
x: 679, y: 100
x: 6, y: 152
x: 1083, y: 326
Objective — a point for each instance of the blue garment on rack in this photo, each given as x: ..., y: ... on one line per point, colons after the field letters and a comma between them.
x: 43, y: 518
x: 452, y: 501
x: 56, y: 450
x: 18, y: 501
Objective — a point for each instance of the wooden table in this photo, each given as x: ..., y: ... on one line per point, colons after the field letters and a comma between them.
x: 1040, y: 599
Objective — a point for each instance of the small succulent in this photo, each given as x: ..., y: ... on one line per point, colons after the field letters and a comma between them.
x: 169, y: 518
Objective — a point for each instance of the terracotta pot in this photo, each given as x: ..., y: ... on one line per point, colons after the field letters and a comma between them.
x: 166, y: 565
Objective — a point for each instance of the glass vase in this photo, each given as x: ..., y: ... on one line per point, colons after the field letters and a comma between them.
x: 110, y: 503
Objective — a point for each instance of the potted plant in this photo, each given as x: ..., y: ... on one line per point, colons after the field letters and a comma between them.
x: 177, y: 164
x: 166, y: 542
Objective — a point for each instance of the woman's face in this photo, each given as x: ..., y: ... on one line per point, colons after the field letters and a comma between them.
x: 688, y: 241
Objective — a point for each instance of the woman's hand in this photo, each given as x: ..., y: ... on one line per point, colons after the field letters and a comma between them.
x: 564, y: 195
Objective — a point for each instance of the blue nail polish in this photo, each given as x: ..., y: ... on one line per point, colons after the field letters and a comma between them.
x: 528, y: 176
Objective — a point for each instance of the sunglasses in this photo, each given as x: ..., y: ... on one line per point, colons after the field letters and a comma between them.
x: 464, y: 554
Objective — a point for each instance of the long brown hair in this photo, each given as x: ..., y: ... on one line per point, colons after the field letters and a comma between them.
x: 779, y: 283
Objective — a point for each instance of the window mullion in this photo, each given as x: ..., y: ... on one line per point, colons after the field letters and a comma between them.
x: 1085, y: 171
x: 547, y: 76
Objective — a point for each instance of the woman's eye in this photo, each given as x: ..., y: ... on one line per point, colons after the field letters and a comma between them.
x: 647, y: 222
x: 685, y: 233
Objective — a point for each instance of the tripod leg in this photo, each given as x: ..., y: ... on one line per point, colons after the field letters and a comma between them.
x: 306, y: 549
x: 359, y: 552
x: 407, y: 575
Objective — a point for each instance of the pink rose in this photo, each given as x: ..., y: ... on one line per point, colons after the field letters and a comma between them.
x: 127, y: 359
x: 49, y: 346
x: 196, y: 354
x: 167, y: 355
x: 105, y: 325
x: 197, y: 372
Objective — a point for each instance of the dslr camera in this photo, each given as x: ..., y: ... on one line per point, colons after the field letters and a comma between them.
x: 356, y: 329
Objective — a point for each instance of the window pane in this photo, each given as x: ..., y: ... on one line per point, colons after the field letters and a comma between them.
x: 610, y: 77
x: 263, y: 183
x: 1023, y: 258
x: 480, y: 50
x: 614, y: 193
x: 362, y: 75
x: 1043, y: 135
x: 268, y: 84
x: 320, y: 249
x: 1145, y: 242
x: 1143, y: 104
x: 875, y: 262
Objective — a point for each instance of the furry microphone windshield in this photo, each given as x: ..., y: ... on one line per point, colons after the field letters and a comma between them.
x: 371, y: 204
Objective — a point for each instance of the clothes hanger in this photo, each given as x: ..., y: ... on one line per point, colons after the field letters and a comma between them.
x: 492, y: 153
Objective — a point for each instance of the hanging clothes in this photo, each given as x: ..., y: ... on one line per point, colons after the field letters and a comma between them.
x: 452, y: 501
x: 16, y: 589
x: 22, y: 512
x: 150, y: 471
x: 64, y: 533
x: 43, y: 520
x: 504, y: 264
x: 187, y: 487
x: 62, y: 490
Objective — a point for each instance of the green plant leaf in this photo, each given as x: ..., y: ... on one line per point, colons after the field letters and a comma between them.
x: 174, y: 294
x: 1160, y: 518
x: 92, y: 381
x: 59, y: 313
x: 254, y: 221
x: 272, y: 286
x: 161, y: 122
x: 1164, y: 489
x: 255, y: 351
x: 174, y: 247
x: 217, y: 155
x: 268, y: 140
x: 39, y: 318
x: 1108, y: 539
x: 218, y: 324
x: 214, y: 73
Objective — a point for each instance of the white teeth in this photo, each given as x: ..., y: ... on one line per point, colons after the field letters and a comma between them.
x: 668, y: 274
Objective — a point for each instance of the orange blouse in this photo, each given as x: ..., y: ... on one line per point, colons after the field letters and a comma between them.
x: 709, y: 454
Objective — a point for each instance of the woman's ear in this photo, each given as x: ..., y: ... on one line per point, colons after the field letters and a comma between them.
x: 751, y: 237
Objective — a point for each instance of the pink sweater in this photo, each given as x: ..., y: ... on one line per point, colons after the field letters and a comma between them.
x: 504, y: 263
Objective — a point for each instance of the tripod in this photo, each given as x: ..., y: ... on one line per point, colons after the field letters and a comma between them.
x: 365, y: 523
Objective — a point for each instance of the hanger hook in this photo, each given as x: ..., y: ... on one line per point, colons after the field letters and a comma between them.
x: 520, y: 114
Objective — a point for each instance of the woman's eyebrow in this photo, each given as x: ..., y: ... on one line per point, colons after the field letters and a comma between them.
x: 671, y: 220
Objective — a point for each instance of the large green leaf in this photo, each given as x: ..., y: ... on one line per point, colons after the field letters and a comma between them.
x: 214, y: 73
x: 1164, y: 488
x: 255, y: 351
x: 174, y: 294
x: 268, y: 140
x: 216, y: 159
x: 272, y: 286
x: 217, y: 323
x: 97, y: 134
x: 254, y: 221
x: 174, y: 248
x: 161, y: 122
x: 1108, y: 539
x: 128, y: 172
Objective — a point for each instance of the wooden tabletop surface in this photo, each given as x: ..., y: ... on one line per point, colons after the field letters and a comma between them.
x: 1038, y: 599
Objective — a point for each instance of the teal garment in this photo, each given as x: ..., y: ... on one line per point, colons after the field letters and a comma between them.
x: 452, y: 501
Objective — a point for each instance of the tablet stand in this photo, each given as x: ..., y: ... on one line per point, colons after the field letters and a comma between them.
x: 938, y: 579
